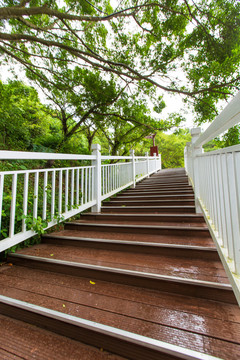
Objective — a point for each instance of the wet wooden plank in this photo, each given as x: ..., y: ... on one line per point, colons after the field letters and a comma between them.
x: 7, y: 355
x: 200, y: 269
x: 148, y: 209
x: 149, y: 229
x: 190, y: 219
x: 201, y: 324
x: 194, y: 341
x: 177, y: 302
x: 184, y: 240
x: 25, y: 341
x: 195, y: 252
x: 175, y: 285
x: 148, y: 202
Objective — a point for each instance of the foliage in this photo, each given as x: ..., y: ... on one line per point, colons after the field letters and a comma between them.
x: 171, y: 147
x: 128, y: 124
x: 38, y: 224
x: 180, y: 46
x: 22, y: 116
x: 94, y: 105
x: 94, y: 109
x: 26, y: 243
x: 230, y: 138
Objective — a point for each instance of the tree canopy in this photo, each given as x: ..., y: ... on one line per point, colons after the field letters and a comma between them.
x: 92, y: 103
x: 74, y: 121
x: 170, y: 146
x: 23, y: 118
x: 189, y: 47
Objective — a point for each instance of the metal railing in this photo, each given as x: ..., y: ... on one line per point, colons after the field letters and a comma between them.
x: 216, y: 179
x: 34, y: 200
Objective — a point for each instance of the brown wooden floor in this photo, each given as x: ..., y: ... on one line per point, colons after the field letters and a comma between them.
x: 137, y: 279
x: 199, y: 269
x: 24, y: 341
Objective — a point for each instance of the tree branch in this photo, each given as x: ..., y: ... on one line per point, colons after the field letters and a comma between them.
x: 123, y: 118
x: 15, y: 12
x: 35, y: 27
x: 96, y: 7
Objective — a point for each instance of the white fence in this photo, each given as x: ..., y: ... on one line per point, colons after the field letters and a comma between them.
x: 216, y: 179
x: 33, y: 200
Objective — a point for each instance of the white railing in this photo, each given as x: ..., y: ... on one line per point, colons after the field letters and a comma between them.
x: 216, y: 179
x: 34, y: 200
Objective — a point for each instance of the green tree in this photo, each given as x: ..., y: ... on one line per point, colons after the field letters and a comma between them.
x: 76, y: 107
x: 171, y: 147
x: 128, y: 122
x: 98, y: 110
x: 145, y: 42
x: 23, y: 118
x: 93, y: 103
x: 230, y: 138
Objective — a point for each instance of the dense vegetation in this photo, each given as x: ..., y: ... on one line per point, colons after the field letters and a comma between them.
x: 125, y: 51
x: 103, y: 65
x: 28, y: 125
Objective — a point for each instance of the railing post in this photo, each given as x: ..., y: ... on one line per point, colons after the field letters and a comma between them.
x: 155, y: 158
x: 146, y: 154
x: 187, y: 156
x: 195, y: 133
x: 97, y: 177
x: 160, y: 161
x: 133, y: 169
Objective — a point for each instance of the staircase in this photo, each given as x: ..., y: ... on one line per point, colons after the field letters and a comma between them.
x: 140, y: 280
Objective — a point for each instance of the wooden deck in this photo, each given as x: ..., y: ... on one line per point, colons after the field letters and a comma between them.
x: 142, y: 280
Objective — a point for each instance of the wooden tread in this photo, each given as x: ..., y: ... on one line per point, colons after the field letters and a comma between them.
x: 124, y: 342
x: 144, y: 229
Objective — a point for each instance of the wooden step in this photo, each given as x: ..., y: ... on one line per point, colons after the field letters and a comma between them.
x: 133, y: 340
x: 143, y: 229
x: 138, y: 237
x: 148, y: 221
x: 149, y: 191
x: 197, y: 219
x: 198, y: 287
x: 195, y: 252
x: 21, y: 339
x: 148, y: 209
x: 101, y: 336
x: 154, y: 196
x: 166, y: 180
x: 163, y: 186
x: 149, y: 202
x: 163, y: 183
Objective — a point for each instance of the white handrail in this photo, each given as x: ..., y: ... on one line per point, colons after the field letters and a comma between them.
x: 215, y: 177
x: 45, y: 197
x: 110, y: 157
x: 229, y: 117
x: 24, y: 155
